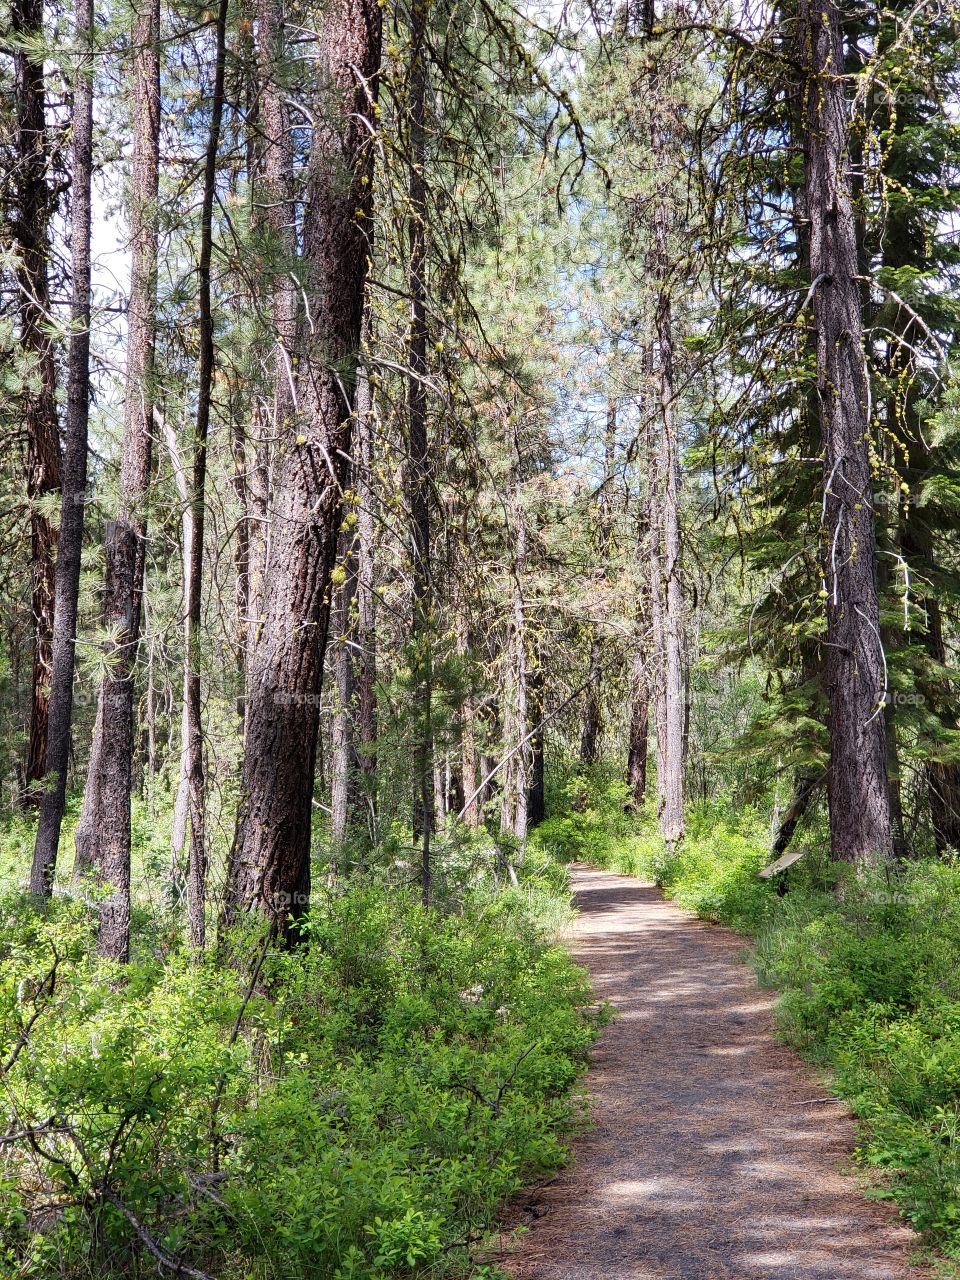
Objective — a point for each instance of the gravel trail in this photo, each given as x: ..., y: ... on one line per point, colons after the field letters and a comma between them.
x: 714, y: 1154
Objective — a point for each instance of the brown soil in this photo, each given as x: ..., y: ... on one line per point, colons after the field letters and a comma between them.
x: 713, y: 1152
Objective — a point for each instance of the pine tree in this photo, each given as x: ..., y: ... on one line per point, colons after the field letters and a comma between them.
x: 70, y: 542
x: 270, y: 860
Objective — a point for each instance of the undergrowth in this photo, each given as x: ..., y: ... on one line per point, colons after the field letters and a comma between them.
x: 362, y: 1110
x: 869, y: 978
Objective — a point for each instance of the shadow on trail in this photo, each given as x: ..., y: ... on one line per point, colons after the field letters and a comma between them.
x: 713, y: 1153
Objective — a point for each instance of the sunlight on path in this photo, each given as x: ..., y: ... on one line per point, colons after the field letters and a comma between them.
x: 708, y: 1158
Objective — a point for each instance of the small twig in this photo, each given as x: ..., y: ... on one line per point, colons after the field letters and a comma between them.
x: 221, y: 1083
x: 49, y: 982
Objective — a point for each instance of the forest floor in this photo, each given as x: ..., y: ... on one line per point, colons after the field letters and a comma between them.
x: 714, y: 1152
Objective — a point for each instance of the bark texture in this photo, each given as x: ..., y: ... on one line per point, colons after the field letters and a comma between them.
x: 860, y: 825
x: 30, y: 237
x: 515, y: 776
x: 666, y: 592
x: 418, y: 457
x: 197, y: 868
x: 365, y: 666
x: 270, y: 861
x: 70, y: 545
x: 110, y: 774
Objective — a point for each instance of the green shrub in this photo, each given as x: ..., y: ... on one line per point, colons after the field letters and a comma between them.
x: 590, y: 822
x: 391, y: 1085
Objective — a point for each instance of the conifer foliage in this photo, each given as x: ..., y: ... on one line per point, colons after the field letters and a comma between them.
x: 413, y: 412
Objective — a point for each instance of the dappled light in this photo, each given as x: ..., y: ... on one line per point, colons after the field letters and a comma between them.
x: 715, y: 1152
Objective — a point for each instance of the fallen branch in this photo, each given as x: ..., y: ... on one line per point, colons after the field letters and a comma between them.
x: 172, y: 1264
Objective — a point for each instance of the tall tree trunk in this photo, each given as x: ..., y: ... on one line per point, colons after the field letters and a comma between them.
x: 639, y: 728
x: 344, y: 765
x: 468, y: 728
x: 241, y: 555
x: 418, y: 449
x: 197, y: 870
x: 53, y: 801
x: 537, y: 794
x: 110, y: 776
x: 592, y: 708
x: 664, y: 522
x: 590, y: 729
x: 515, y: 779
x: 657, y: 629
x: 181, y: 802
x: 860, y: 824
x: 270, y: 861
x: 274, y: 217
x: 943, y: 776
x: 33, y: 212
x: 365, y: 667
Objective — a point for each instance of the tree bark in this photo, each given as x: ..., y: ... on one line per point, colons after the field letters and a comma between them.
x: 664, y: 522
x: 110, y: 774
x: 344, y: 765
x: 270, y: 861
x: 70, y: 547
x: 365, y: 667
x: 590, y: 729
x: 30, y: 236
x: 657, y: 629
x: 860, y: 824
x: 241, y: 557
x: 274, y: 217
x: 418, y: 451
x: 537, y: 794
x: 197, y: 869
x: 181, y: 802
x: 516, y: 770
x: 639, y: 728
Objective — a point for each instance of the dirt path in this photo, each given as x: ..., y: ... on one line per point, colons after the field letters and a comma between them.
x: 706, y: 1159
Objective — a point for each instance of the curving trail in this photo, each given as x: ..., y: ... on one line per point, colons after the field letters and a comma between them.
x: 707, y: 1159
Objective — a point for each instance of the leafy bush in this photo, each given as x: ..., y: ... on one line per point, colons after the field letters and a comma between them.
x: 362, y: 1112
x: 590, y: 822
x: 871, y: 987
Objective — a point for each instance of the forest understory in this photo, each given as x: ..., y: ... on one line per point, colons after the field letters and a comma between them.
x: 441, y: 443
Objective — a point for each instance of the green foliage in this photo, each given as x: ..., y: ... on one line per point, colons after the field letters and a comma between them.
x: 391, y: 1085
x: 589, y: 822
x: 870, y: 987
